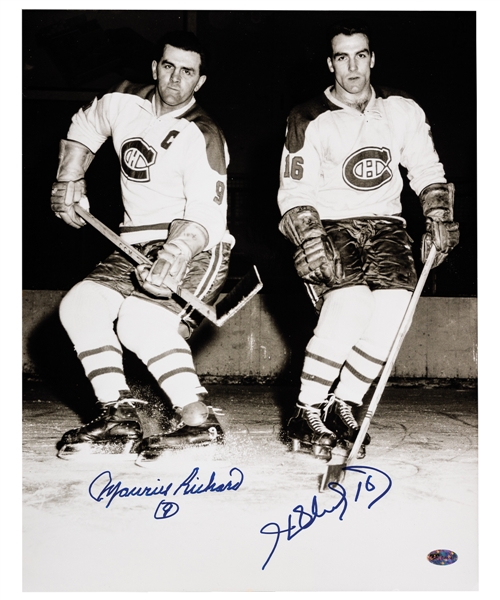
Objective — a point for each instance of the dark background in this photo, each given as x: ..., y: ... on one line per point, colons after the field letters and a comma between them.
x: 262, y: 64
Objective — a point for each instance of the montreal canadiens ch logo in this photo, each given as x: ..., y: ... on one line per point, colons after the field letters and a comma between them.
x: 136, y: 158
x: 368, y: 168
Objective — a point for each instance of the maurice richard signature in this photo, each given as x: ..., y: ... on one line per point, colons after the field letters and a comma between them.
x: 104, y: 488
x: 372, y: 481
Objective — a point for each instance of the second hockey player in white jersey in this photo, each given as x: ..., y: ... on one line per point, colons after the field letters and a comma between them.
x: 339, y: 197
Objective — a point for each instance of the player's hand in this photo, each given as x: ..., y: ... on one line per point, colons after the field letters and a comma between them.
x: 441, y: 230
x: 444, y: 235
x: 142, y: 273
x: 317, y: 261
x: 65, y: 194
x: 172, y: 261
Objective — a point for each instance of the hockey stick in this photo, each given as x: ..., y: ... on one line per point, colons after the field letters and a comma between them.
x: 244, y: 290
x: 335, y: 470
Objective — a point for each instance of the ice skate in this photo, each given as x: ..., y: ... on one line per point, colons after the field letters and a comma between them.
x: 307, y: 428
x: 117, y: 430
x: 192, y: 426
x: 342, y: 419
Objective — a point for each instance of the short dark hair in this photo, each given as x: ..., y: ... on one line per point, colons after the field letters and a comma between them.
x: 349, y: 27
x: 184, y: 40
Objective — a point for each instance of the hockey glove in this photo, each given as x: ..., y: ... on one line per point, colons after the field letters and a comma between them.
x: 437, y: 203
x: 70, y: 187
x: 185, y: 240
x: 316, y: 259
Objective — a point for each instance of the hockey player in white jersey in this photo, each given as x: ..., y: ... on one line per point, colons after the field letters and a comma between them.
x: 339, y: 198
x: 173, y: 171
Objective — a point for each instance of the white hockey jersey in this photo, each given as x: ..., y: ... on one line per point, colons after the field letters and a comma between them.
x: 346, y: 163
x: 172, y: 167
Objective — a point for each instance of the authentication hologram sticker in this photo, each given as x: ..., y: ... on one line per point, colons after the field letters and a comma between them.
x: 442, y: 557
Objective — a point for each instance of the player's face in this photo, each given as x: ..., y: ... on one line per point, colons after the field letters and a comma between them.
x: 351, y: 62
x: 178, y: 77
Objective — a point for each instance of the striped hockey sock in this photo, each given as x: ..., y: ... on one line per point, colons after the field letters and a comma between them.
x: 358, y: 373
x: 152, y: 332
x: 87, y: 312
x: 368, y: 356
x: 174, y: 370
x: 104, y: 369
x: 319, y: 371
x: 343, y: 318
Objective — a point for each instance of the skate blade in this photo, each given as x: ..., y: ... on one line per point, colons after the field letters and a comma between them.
x: 319, y: 453
x: 186, y: 442
x: 200, y: 453
x: 343, y: 449
x: 87, y: 451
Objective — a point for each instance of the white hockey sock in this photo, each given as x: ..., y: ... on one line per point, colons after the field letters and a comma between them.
x: 104, y: 368
x: 152, y: 333
x: 367, y: 358
x: 318, y: 372
x: 344, y: 315
x: 87, y: 312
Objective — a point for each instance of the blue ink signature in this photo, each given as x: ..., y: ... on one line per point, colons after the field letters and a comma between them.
x: 104, y: 488
x: 303, y: 519
x: 211, y: 486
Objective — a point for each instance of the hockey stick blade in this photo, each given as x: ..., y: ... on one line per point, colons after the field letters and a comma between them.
x: 236, y: 299
x: 336, y: 470
x: 231, y: 304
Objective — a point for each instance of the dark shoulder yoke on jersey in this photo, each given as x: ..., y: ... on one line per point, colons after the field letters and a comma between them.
x: 214, y: 138
x: 136, y: 89
x: 386, y: 92
x: 126, y: 87
x: 301, y: 116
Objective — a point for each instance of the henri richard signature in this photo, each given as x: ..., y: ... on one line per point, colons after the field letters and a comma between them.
x: 373, y: 481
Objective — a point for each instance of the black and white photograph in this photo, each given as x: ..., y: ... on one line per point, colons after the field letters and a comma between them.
x: 249, y: 300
